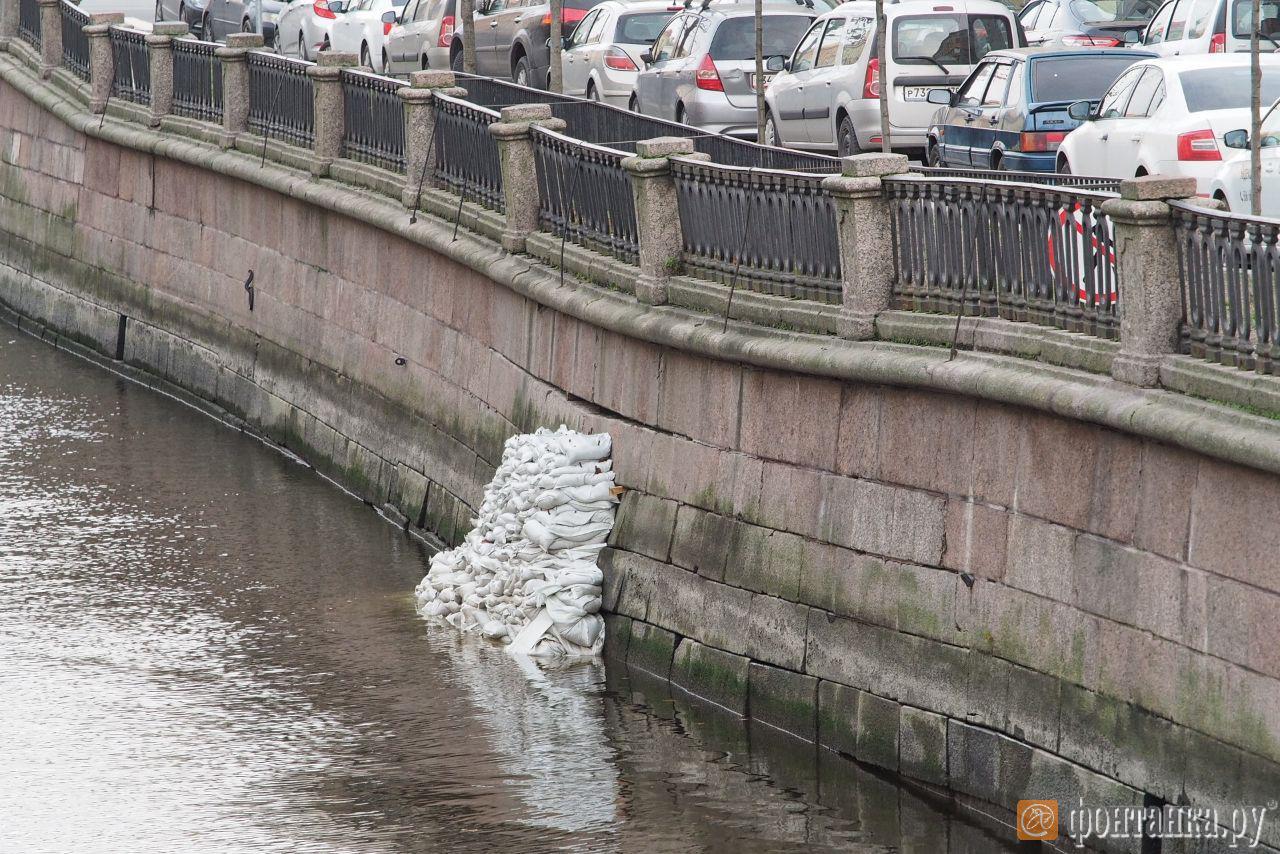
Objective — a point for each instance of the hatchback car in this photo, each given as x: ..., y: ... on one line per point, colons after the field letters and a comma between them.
x: 1211, y: 26
x: 304, y: 26
x: 1012, y: 111
x: 701, y: 68
x: 602, y: 58
x: 513, y: 38
x: 363, y: 30
x: 222, y: 17
x: 421, y: 36
x: 1166, y: 116
x: 828, y: 94
x: 190, y: 12
x: 1086, y: 23
x: 1231, y: 185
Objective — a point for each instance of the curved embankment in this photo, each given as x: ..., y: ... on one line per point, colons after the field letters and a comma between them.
x: 1016, y: 580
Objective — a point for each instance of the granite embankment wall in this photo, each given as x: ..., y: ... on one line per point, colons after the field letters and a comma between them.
x: 1014, y: 580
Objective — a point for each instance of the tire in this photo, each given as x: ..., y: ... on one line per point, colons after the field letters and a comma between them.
x: 275, y: 42
x: 383, y: 69
x: 425, y: 63
x: 206, y: 28
x: 680, y: 114
x: 522, y: 74
x: 365, y: 59
x: 1064, y: 167
x: 933, y: 155
x: 633, y: 105
x: 592, y: 94
x: 160, y: 12
x: 847, y: 138
x: 303, y: 53
x: 246, y: 26
x: 997, y: 162
x: 456, y: 63
x: 771, y: 136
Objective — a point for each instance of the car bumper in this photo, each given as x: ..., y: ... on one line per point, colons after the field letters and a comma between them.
x: 616, y: 86
x: 719, y: 116
x: 865, y: 115
x: 437, y: 57
x: 1204, y: 172
x: 1020, y: 161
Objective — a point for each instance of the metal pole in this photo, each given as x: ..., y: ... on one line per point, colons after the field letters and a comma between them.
x: 557, y: 45
x: 1255, y: 113
x: 882, y: 35
x: 760, y: 107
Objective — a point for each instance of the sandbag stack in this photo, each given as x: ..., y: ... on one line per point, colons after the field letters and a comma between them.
x: 526, y: 573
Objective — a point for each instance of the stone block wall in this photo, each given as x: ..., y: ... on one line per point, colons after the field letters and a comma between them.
x: 1001, y: 600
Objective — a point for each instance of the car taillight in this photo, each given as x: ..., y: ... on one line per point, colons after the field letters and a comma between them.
x: 1198, y: 145
x: 1218, y: 44
x: 1091, y: 41
x: 1042, y: 141
x: 446, y: 31
x: 871, y: 83
x: 617, y: 59
x: 708, y: 76
x: 386, y: 28
x: 322, y: 10
x: 567, y: 16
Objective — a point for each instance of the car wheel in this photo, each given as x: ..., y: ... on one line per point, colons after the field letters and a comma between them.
x: 246, y: 26
x: 933, y: 155
x: 365, y: 60
x: 160, y: 12
x: 680, y: 113
x: 997, y: 162
x: 633, y: 105
x: 592, y: 94
x: 425, y: 63
x: 847, y: 138
x: 771, y: 136
x: 456, y: 63
x: 1064, y: 167
x: 523, y: 73
x: 206, y: 28
x: 302, y: 46
x: 383, y: 69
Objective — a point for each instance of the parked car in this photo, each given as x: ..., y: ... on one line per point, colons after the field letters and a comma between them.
x: 513, y: 38
x: 1086, y: 23
x: 304, y: 26
x: 1166, y: 116
x: 1210, y: 26
x: 222, y: 17
x: 827, y: 95
x: 421, y: 37
x: 1231, y: 185
x: 601, y: 59
x: 190, y: 12
x: 1012, y: 111
x: 701, y: 67
x: 363, y: 30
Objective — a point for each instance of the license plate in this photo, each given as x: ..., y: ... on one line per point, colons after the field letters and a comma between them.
x: 917, y: 93
x: 751, y: 80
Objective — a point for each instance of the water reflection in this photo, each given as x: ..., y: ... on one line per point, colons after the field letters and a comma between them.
x: 205, y: 645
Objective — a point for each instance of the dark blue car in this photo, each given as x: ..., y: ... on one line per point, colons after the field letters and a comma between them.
x: 1011, y: 112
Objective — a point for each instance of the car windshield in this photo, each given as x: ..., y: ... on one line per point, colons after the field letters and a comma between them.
x: 1075, y: 78
x: 641, y: 27
x: 1242, y: 20
x: 946, y: 40
x: 1225, y: 88
x: 735, y: 38
x: 1101, y: 11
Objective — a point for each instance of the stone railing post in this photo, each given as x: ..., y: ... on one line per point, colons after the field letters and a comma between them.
x: 50, y: 35
x: 160, y: 57
x: 420, y: 129
x: 235, y: 84
x: 657, y: 214
x: 330, y: 111
x: 102, y: 62
x: 519, y: 170
x: 1150, y: 297
x: 8, y: 23
x: 865, y: 232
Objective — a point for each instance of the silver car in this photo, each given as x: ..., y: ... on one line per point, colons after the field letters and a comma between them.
x: 701, y: 68
x: 421, y: 37
x: 602, y: 57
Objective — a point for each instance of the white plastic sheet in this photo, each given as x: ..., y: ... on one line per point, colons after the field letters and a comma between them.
x: 526, y: 573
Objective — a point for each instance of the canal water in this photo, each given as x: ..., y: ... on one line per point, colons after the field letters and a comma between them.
x: 206, y: 646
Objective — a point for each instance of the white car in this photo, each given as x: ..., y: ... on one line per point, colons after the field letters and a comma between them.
x: 304, y: 26
x: 364, y: 28
x: 1166, y: 116
x: 601, y: 59
x: 1210, y: 26
x: 1231, y: 185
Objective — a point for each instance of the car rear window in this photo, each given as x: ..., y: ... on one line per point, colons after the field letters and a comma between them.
x: 949, y: 39
x: 581, y: 4
x: 1242, y: 20
x: 1225, y: 88
x: 1100, y: 11
x: 735, y: 38
x: 641, y: 27
x: 1075, y: 78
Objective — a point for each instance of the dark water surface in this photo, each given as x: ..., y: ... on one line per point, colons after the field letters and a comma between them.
x: 204, y: 646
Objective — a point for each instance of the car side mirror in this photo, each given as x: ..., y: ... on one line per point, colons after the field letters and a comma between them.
x: 1081, y: 111
x: 774, y: 64
x: 566, y: 42
x: 1236, y: 139
x: 390, y: 18
x: 1133, y: 37
x: 337, y: 6
x: 646, y: 57
x: 942, y: 97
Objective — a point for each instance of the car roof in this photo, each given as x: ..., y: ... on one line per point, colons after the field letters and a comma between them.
x: 1192, y: 62
x: 918, y: 7
x: 771, y: 7
x: 1046, y: 52
x: 641, y: 6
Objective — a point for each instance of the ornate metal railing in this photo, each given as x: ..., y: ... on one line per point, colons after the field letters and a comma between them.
x: 75, y: 44
x: 1229, y: 268
x: 132, y: 81
x: 374, y: 130
x: 584, y: 194
x: 29, y: 22
x: 281, y: 100
x: 1018, y: 251
x: 766, y: 230
x: 197, y: 80
x: 466, y: 153
x: 1083, y: 182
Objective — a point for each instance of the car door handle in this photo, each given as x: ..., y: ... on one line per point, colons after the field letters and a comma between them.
x: 1135, y: 139
x: 993, y: 121
x: 1104, y: 137
x: 493, y: 24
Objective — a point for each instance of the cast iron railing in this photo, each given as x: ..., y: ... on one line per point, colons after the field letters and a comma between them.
x: 374, y: 129
x: 766, y: 230
x: 584, y: 194
x: 466, y: 153
x: 1018, y: 251
x: 132, y: 80
x: 29, y: 22
x: 197, y: 80
x: 1083, y: 182
x: 281, y: 100
x: 1230, y: 274
x: 75, y: 44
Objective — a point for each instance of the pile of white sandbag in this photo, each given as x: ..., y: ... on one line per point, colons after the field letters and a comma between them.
x: 526, y: 573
